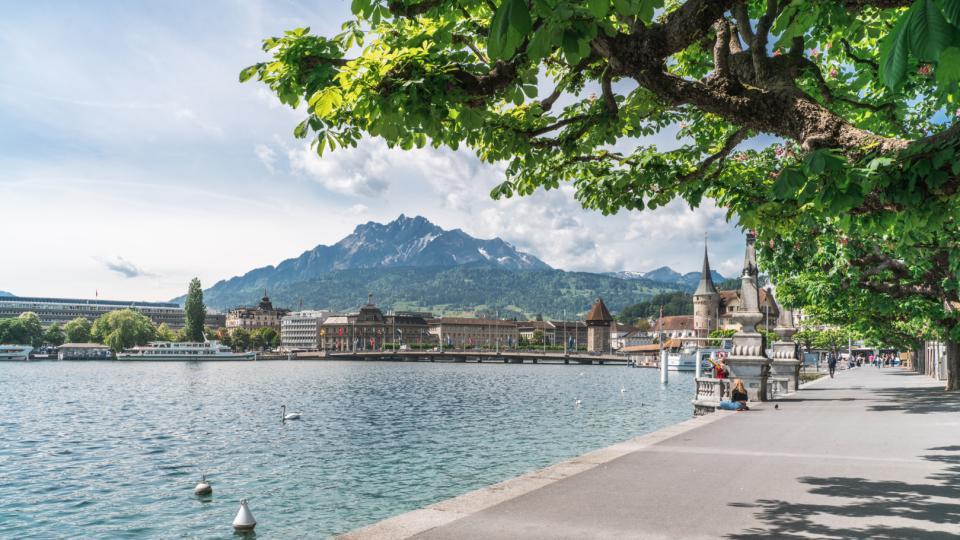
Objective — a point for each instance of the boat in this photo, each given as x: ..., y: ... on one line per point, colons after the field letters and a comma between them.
x: 20, y: 353
x: 185, y: 351
x: 685, y: 359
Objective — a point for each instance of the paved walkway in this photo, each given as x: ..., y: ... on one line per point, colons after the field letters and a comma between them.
x: 870, y: 454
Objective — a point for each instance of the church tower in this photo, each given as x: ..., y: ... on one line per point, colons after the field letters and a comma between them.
x: 706, y: 301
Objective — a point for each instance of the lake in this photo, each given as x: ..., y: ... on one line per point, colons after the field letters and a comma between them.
x: 113, y: 450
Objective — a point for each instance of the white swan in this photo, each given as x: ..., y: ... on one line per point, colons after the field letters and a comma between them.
x: 578, y: 403
x: 284, y: 416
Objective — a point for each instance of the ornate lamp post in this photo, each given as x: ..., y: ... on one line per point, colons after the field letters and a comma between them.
x: 748, y: 359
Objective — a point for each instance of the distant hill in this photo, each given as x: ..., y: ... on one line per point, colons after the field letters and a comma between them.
x: 5, y: 293
x: 669, y: 276
x: 461, y: 290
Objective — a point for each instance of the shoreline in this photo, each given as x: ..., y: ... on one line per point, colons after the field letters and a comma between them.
x: 443, y: 512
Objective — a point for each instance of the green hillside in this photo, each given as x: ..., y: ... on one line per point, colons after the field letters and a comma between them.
x: 450, y: 291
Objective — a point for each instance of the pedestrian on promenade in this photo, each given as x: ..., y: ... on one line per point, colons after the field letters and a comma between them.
x: 832, y: 364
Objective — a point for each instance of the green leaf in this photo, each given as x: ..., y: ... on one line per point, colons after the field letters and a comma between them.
x: 948, y: 67
x: 929, y: 32
x: 249, y: 72
x: 511, y: 23
x: 627, y: 7
x: 894, y: 51
x: 951, y: 11
x: 542, y: 42
x: 598, y: 8
x: 326, y: 101
x: 301, y: 130
x: 788, y: 183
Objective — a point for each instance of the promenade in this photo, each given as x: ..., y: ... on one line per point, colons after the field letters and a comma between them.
x: 870, y: 454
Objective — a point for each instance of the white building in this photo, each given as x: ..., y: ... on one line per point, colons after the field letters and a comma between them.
x: 300, y: 330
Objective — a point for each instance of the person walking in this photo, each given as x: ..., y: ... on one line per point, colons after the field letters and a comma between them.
x: 832, y: 364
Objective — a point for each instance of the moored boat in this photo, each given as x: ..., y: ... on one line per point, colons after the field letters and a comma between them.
x: 17, y: 353
x: 187, y: 351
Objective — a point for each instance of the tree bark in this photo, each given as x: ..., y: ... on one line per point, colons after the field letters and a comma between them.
x: 953, y: 365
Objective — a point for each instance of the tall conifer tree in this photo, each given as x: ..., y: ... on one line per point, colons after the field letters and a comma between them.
x: 195, y: 311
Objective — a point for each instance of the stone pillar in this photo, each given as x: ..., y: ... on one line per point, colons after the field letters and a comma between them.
x: 748, y: 360
x: 786, y: 364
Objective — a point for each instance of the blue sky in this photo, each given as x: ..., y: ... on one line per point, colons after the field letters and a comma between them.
x: 133, y: 160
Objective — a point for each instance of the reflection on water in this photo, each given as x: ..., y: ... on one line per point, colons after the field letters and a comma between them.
x: 114, y: 450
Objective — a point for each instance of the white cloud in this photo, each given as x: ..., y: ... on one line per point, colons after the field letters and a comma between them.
x: 348, y: 171
x: 358, y: 209
x: 266, y: 155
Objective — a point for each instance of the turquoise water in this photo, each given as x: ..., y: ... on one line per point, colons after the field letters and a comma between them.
x: 109, y: 450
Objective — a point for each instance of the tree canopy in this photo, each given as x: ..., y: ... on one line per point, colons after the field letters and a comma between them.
x: 123, y: 329
x: 829, y: 127
x: 77, y: 330
x: 195, y: 312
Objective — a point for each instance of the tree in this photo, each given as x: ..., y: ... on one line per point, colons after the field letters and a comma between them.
x: 833, y: 339
x: 240, y: 338
x: 78, y: 330
x: 264, y: 337
x: 30, y: 328
x: 673, y: 303
x: 22, y: 330
x: 721, y: 333
x: 123, y: 329
x: 643, y: 325
x: 54, y: 335
x: 858, y: 95
x: 537, y: 338
x: 806, y: 338
x: 164, y: 333
x: 195, y: 313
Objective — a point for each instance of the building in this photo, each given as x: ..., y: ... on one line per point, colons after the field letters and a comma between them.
x: 706, y: 301
x: 676, y: 326
x: 463, y: 333
x: 252, y: 318
x: 409, y: 328
x: 365, y: 330
x: 64, y: 310
x: 529, y: 330
x: 575, y: 332
x: 300, y: 331
x: 714, y: 309
x: 84, y: 351
x: 598, y: 328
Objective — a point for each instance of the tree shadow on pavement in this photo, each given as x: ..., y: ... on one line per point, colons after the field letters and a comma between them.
x: 931, y: 506
x: 916, y: 400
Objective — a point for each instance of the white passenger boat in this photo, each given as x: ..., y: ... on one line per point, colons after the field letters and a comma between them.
x: 686, y: 359
x: 186, y: 351
x: 20, y: 353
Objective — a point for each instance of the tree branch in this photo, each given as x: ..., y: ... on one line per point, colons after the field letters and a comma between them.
x: 848, y: 49
x: 732, y: 141
x: 743, y: 21
x: 606, y: 86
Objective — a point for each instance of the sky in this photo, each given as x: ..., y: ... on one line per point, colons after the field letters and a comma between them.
x: 132, y: 159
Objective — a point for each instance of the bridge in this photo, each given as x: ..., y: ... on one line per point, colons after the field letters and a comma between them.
x: 461, y: 356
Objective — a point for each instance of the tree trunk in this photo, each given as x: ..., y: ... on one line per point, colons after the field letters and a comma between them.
x: 953, y: 365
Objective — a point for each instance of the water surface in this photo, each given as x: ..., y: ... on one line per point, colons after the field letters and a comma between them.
x: 113, y: 450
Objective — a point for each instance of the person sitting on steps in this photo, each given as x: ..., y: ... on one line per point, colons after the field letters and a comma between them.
x: 738, y: 398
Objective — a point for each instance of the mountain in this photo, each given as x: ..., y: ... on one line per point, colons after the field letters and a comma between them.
x: 669, y: 276
x: 465, y: 290
x: 412, y: 264
x: 5, y: 293
x: 404, y: 242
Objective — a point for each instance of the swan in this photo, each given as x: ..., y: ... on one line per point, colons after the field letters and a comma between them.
x: 622, y: 389
x: 578, y: 403
x: 284, y: 416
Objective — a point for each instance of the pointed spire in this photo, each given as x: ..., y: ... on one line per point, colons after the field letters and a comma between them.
x: 706, y: 279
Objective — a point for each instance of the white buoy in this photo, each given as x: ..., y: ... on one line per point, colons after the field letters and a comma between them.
x: 622, y: 389
x: 244, y: 520
x: 204, y: 487
x: 578, y: 403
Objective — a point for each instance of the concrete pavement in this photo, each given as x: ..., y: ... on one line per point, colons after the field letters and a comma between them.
x: 870, y: 454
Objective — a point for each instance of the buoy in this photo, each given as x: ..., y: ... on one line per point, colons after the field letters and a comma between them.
x: 578, y: 403
x: 622, y: 389
x: 244, y: 520
x: 204, y: 487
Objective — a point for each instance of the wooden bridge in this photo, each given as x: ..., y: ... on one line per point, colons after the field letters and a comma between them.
x: 505, y: 357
